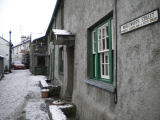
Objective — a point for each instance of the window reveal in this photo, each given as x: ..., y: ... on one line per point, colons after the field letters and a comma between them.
x: 102, y: 52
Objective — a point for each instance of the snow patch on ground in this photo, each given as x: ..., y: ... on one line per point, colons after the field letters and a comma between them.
x: 56, y: 113
x: 13, y: 89
x: 36, y: 110
x: 44, y: 83
x: 17, y: 89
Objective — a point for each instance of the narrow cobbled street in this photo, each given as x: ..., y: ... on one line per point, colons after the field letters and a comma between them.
x: 20, y: 97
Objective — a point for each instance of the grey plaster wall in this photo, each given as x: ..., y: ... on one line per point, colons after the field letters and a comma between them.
x: 68, y: 72
x: 92, y: 103
x: 138, y: 62
x: 58, y: 19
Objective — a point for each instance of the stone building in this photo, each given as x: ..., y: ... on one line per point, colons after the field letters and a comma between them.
x: 105, y: 56
x: 38, y: 56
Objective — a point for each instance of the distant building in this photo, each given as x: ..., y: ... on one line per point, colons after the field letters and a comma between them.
x: 38, y: 56
x: 1, y: 66
x: 19, y: 51
x: 4, y: 51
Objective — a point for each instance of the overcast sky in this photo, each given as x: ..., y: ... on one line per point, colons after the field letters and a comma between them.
x: 24, y: 17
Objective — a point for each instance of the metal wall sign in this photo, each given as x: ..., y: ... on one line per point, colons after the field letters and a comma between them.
x: 144, y: 20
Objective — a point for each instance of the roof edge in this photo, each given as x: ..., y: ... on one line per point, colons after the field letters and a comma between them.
x: 43, y: 37
x: 21, y: 43
x: 4, y: 39
x: 53, y: 15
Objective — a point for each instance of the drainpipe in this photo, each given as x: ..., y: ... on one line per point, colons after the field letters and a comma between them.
x: 10, y: 51
x: 115, y: 93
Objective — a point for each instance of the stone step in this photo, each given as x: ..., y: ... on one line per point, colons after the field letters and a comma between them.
x: 54, y: 90
x: 68, y: 109
x: 56, y: 113
x: 43, y: 84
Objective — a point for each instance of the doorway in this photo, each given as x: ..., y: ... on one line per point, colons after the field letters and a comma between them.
x: 70, y: 62
x: 41, y: 61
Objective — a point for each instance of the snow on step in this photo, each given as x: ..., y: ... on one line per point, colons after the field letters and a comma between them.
x: 65, y: 106
x: 56, y: 113
x: 44, y: 83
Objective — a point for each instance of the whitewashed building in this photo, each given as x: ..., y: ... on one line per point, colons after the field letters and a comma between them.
x: 21, y: 49
x: 1, y: 66
x: 4, y: 51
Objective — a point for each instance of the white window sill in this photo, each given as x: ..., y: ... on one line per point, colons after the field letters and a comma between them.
x: 102, y: 85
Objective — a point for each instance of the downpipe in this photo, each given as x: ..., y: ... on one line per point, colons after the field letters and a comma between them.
x: 115, y: 91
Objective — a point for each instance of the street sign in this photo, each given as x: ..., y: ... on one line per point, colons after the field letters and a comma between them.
x: 139, y: 22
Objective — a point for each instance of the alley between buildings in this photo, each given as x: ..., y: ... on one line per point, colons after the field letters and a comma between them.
x: 20, y: 97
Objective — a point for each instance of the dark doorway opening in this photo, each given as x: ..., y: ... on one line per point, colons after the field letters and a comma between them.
x: 41, y: 61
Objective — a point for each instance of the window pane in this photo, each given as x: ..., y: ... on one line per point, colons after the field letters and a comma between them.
x: 107, y: 39
x: 107, y: 68
x: 103, y: 40
x: 99, y: 34
x: 94, y: 46
x: 107, y: 31
x: 94, y: 42
x: 106, y: 58
x: 102, y: 58
x: 99, y: 45
x: 99, y: 40
x: 102, y: 69
x: 103, y: 33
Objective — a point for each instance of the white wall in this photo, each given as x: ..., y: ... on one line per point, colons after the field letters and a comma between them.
x: 16, y: 51
x: 4, y: 51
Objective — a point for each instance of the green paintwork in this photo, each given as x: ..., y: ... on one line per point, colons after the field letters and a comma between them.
x: 98, y: 72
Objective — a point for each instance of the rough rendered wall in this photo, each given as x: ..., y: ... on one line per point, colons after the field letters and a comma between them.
x: 92, y: 103
x: 138, y: 62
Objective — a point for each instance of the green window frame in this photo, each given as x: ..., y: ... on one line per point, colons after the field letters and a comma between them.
x: 101, y: 52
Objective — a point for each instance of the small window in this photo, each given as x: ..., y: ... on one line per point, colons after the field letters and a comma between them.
x: 101, y: 56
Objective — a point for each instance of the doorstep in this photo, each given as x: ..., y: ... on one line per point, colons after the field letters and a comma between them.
x: 60, y: 111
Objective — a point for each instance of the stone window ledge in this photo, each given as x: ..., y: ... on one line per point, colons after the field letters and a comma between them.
x: 102, y: 85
